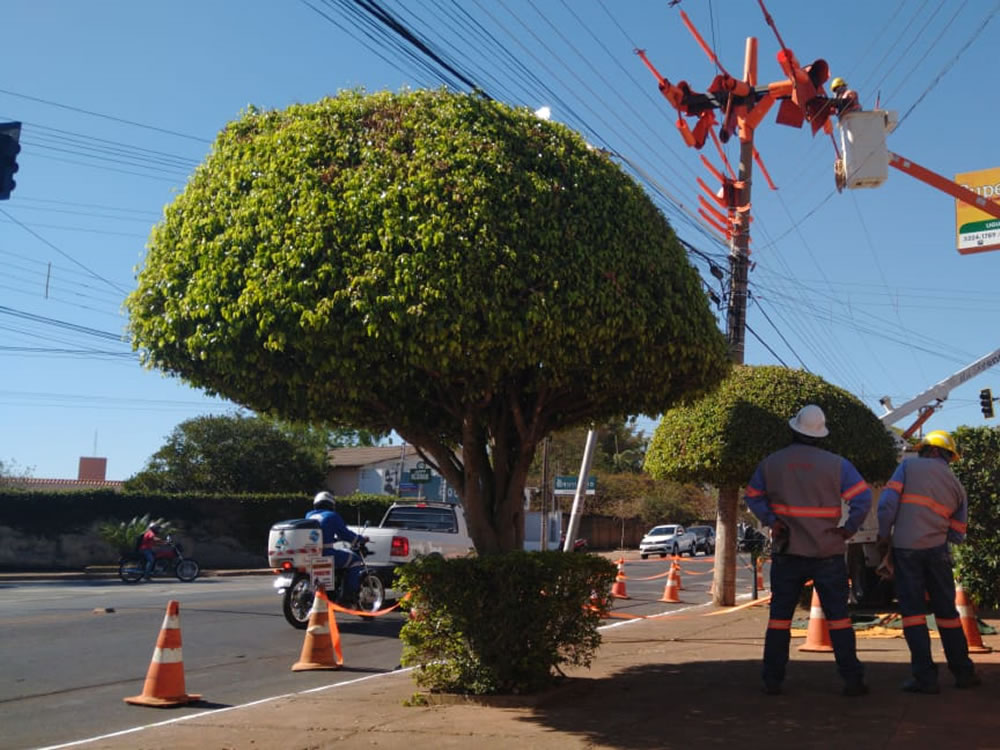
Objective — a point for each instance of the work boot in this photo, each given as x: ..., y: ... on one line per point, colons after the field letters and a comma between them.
x: 854, y: 688
x: 966, y: 681
x: 915, y: 686
x: 771, y: 688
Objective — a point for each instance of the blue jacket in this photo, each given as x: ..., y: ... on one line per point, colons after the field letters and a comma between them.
x: 334, y: 528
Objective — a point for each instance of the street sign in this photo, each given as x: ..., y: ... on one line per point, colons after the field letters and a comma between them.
x: 421, y: 474
x: 567, y: 485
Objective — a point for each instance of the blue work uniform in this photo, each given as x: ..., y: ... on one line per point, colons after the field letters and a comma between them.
x: 805, y: 486
x: 922, y: 508
x: 335, y: 530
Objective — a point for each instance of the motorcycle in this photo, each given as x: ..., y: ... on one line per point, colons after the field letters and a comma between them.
x: 298, y: 578
x: 168, y: 560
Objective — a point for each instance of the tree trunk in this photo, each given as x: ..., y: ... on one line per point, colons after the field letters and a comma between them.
x: 724, y: 585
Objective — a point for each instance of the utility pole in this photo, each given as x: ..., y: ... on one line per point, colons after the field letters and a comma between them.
x: 546, y: 492
x: 736, y: 318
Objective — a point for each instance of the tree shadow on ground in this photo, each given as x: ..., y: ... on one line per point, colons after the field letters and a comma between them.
x: 718, y: 703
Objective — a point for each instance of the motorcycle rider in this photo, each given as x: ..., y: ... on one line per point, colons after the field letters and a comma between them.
x: 335, y: 530
x: 147, y: 544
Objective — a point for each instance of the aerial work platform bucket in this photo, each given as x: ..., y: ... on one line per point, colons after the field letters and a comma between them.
x: 864, y: 161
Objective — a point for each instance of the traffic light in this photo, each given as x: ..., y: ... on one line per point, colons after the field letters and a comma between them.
x: 10, y: 146
x: 986, y: 402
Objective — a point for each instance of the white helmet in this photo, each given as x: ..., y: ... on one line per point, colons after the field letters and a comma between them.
x: 323, y: 500
x: 810, y: 421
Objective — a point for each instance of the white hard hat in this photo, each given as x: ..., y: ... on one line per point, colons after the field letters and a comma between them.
x: 810, y: 421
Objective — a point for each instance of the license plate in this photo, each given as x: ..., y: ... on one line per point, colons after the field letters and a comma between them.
x: 282, y: 582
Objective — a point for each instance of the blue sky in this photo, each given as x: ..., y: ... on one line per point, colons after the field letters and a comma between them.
x: 120, y: 100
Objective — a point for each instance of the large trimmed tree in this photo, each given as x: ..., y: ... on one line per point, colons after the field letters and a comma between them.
x: 720, y: 438
x: 431, y: 263
x: 979, y: 472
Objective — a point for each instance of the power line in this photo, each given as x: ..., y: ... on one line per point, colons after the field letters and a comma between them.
x: 104, y: 116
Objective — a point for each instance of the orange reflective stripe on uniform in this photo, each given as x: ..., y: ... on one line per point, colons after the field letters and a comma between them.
x: 839, y: 624
x: 855, y: 490
x: 897, y: 486
x: 952, y: 622
x: 957, y: 526
x: 926, y: 502
x: 754, y: 492
x: 779, y: 624
x: 914, y: 620
x: 805, y: 511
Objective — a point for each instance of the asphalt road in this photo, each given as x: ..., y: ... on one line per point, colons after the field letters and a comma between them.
x: 67, y: 667
x: 68, y: 662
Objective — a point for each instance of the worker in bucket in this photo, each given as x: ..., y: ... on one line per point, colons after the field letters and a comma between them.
x: 846, y: 98
x: 921, y: 509
x: 798, y: 492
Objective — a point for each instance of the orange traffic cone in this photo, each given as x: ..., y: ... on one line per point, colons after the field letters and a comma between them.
x: 618, y: 589
x: 164, y: 684
x: 677, y: 573
x: 760, y: 573
x: 818, y: 634
x: 670, y: 591
x: 320, y: 645
x: 970, y: 623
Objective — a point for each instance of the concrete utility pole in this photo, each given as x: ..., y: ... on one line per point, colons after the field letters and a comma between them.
x: 736, y: 318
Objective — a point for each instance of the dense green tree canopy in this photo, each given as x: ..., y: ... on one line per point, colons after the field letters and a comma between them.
x: 428, y: 262
x: 236, y: 453
x: 721, y: 437
x: 979, y: 472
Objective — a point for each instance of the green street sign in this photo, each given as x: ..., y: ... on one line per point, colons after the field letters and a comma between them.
x: 420, y: 475
x: 566, y: 485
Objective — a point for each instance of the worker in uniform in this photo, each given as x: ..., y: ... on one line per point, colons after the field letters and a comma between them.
x: 920, y: 510
x: 845, y: 98
x: 798, y: 492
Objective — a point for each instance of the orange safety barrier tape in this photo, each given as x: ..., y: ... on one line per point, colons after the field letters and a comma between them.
x: 647, y: 578
x: 338, y: 608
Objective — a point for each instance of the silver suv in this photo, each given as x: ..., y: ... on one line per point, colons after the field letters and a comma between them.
x: 667, y: 539
x: 704, y: 539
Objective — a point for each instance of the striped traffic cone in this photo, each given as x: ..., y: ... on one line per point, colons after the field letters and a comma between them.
x: 164, y: 684
x: 618, y: 589
x: 677, y: 574
x: 320, y: 649
x: 818, y: 634
x: 670, y: 591
x: 970, y: 622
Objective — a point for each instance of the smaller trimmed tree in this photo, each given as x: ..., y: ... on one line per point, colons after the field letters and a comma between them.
x: 720, y: 438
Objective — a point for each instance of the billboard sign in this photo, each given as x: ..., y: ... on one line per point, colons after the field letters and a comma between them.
x: 975, y: 230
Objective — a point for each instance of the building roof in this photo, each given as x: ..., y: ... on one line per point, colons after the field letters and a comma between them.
x: 368, y: 456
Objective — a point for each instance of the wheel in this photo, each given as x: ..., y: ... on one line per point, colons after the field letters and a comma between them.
x: 187, y: 570
x: 131, y: 569
x: 693, y: 551
x: 644, y: 556
x: 371, y: 596
x: 675, y: 551
x: 298, y: 602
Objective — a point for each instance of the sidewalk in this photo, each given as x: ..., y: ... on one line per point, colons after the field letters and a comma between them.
x: 688, y: 681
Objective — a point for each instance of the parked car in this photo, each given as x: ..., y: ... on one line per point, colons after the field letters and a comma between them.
x: 704, y: 539
x: 667, y: 539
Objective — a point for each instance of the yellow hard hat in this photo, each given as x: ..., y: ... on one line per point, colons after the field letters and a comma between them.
x: 836, y: 83
x: 940, y: 439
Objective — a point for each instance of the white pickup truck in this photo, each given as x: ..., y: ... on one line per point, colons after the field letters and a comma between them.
x: 409, y: 530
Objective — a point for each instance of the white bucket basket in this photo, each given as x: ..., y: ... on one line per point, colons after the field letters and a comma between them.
x: 862, y: 141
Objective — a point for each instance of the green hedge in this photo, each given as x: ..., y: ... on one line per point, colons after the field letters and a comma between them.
x: 979, y: 471
x: 247, y: 518
x: 502, y: 623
